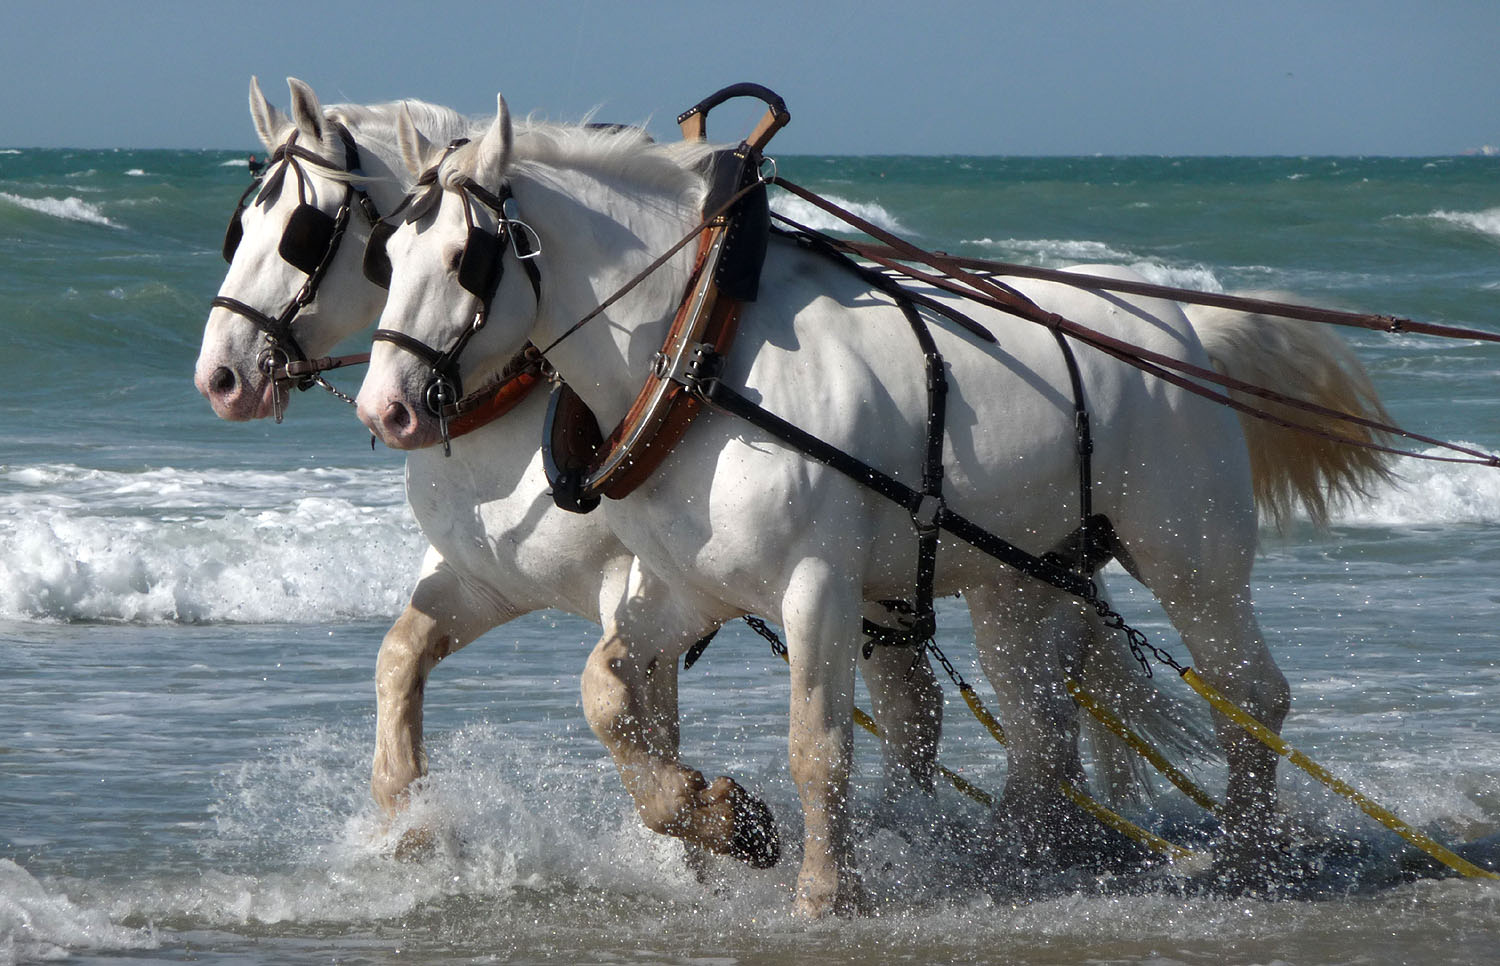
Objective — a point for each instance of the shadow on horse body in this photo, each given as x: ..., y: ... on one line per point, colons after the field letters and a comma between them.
x: 736, y: 522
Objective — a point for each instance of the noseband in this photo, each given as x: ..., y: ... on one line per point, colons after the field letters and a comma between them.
x: 480, y: 269
x: 308, y: 243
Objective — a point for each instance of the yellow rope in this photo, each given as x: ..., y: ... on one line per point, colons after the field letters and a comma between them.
x: 1382, y: 815
x: 1114, y: 820
x: 1124, y: 826
x: 1173, y: 774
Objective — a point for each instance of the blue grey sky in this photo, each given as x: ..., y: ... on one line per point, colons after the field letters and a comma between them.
x: 1417, y: 77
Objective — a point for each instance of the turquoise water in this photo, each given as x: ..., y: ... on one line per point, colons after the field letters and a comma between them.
x: 189, y: 612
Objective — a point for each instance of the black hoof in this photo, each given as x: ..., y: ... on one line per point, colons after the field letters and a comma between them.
x: 755, y: 840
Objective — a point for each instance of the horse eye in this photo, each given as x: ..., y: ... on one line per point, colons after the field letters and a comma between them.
x: 455, y: 260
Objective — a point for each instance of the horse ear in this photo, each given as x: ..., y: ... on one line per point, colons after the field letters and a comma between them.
x: 494, y: 147
x: 267, y: 119
x: 414, y: 145
x: 306, y: 110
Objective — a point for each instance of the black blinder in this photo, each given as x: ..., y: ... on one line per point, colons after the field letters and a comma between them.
x: 478, y: 268
x: 377, y: 262
x: 233, y: 234
x: 307, y: 239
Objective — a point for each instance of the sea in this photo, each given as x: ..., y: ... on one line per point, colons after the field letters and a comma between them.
x: 190, y: 611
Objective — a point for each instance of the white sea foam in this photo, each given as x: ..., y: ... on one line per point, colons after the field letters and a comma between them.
x: 71, y: 208
x: 178, y: 546
x: 235, y: 163
x: 135, y: 173
x: 1428, y: 494
x: 1485, y: 222
x: 813, y: 217
x: 1053, y: 252
x: 1065, y: 252
x: 36, y: 924
x: 10, y: 151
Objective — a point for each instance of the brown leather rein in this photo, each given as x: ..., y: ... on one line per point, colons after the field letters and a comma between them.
x: 977, y: 280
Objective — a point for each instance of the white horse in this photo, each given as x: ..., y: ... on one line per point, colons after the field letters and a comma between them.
x: 499, y: 547
x: 736, y: 522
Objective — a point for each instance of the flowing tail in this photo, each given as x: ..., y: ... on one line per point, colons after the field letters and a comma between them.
x: 1308, y: 362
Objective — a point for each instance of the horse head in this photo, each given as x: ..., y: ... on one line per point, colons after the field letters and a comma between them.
x: 454, y: 256
x: 295, y: 240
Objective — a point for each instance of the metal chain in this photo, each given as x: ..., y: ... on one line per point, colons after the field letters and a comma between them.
x: 1139, y: 645
x: 778, y: 647
x: 759, y: 626
x: 320, y: 381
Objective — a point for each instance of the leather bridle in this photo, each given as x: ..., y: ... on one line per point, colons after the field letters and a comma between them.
x: 308, y: 243
x: 481, y: 267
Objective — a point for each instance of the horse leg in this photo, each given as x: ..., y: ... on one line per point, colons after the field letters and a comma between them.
x: 1023, y: 631
x: 629, y: 699
x: 1204, y: 586
x: 820, y: 613
x: 441, y: 618
x: 1218, y: 626
x: 907, y: 703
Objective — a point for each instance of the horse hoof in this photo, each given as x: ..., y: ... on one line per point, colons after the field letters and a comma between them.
x: 754, y: 840
x: 416, y: 845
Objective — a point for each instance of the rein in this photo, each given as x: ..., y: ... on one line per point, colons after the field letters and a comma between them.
x: 957, y: 279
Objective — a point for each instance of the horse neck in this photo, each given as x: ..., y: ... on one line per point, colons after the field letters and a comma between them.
x: 597, y: 236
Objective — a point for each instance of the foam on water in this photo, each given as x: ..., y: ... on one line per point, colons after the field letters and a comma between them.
x: 1485, y: 222
x: 816, y: 218
x: 36, y: 924
x: 1428, y: 494
x: 71, y: 208
x: 168, y: 545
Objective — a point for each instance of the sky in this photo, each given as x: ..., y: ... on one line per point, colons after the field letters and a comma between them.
x: 1004, y: 77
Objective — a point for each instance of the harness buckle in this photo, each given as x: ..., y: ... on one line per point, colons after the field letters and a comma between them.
x: 926, y: 513
x: 702, y: 369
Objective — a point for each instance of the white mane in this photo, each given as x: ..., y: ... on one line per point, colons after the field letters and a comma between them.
x: 624, y: 154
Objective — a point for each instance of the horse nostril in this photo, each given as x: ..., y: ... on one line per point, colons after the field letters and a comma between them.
x: 223, y: 381
x: 397, y: 418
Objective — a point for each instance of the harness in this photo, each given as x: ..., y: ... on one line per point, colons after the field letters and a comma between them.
x: 582, y: 467
x: 308, y: 243
x: 481, y: 267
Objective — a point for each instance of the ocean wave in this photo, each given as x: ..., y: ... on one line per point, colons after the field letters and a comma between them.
x: 71, y: 208
x: 1053, y: 252
x: 235, y: 163
x: 1485, y: 222
x: 135, y: 173
x: 816, y: 218
x: 37, y: 925
x: 1067, y: 252
x: 170, y: 546
x: 1429, y: 494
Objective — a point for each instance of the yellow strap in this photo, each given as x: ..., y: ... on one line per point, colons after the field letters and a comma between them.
x: 1371, y: 808
x: 1126, y: 827
x: 1173, y: 774
x: 982, y: 713
x: 1114, y: 820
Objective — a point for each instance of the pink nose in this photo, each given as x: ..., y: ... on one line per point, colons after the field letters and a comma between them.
x: 395, y: 423
x: 230, y: 395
